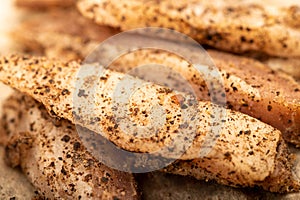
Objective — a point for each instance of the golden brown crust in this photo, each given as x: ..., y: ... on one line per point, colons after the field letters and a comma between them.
x: 250, y: 86
x: 251, y: 143
x: 237, y: 27
x: 54, y: 159
x: 278, y: 94
x: 82, y: 36
x: 22, y: 143
x: 281, y: 180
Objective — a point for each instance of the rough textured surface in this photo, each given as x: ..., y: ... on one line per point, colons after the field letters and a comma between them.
x: 275, y: 99
x: 278, y: 94
x: 53, y: 158
x: 250, y: 86
x: 250, y: 144
x: 279, y: 177
x: 82, y: 36
x: 236, y: 26
x: 22, y: 145
x: 159, y: 185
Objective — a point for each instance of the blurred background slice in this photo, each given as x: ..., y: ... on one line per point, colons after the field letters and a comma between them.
x: 13, y: 184
x: 45, y: 4
x: 8, y: 20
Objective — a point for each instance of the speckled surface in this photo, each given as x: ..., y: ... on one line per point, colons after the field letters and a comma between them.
x: 154, y: 185
x: 235, y: 26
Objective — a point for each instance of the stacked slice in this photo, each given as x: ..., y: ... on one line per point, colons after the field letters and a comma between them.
x: 250, y: 86
x: 247, y: 152
x: 253, y: 27
x: 52, y: 156
x: 40, y: 121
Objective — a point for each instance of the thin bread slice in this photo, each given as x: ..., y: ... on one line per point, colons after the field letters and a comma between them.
x: 250, y: 86
x: 251, y: 143
x: 51, y: 154
x: 74, y: 47
x: 237, y: 26
x: 37, y: 140
x: 82, y: 36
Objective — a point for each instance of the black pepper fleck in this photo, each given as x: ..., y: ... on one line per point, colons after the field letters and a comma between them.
x: 76, y: 146
x: 66, y: 138
x: 104, y: 179
x: 65, y: 91
x: 269, y: 107
x: 63, y: 171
